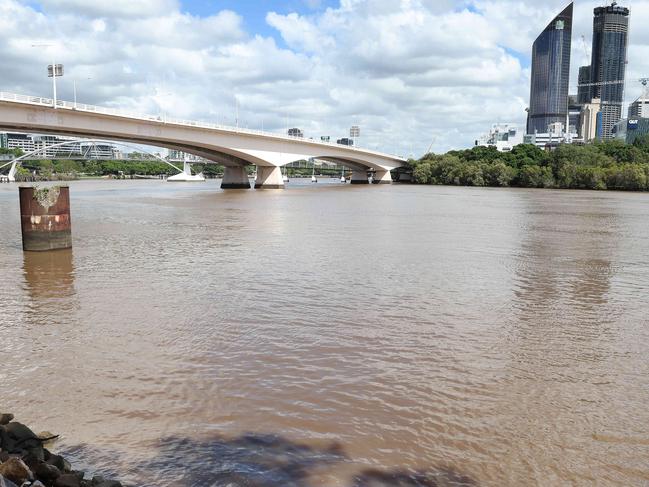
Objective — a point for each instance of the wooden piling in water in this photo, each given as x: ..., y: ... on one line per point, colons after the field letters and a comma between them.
x: 45, y: 218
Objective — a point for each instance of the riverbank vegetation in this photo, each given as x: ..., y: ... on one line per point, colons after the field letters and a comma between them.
x: 65, y: 170
x: 13, y: 152
x: 603, y: 165
x: 49, y: 170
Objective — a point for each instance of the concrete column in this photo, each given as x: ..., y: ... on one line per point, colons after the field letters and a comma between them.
x: 235, y: 177
x: 359, y: 177
x: 382, y: 177
x: 269, y: 177
x: 45, y: 218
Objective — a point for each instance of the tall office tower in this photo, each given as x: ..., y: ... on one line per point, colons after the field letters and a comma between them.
x: 608, y: 64
x: 583, y: 90
x: 551, y: 74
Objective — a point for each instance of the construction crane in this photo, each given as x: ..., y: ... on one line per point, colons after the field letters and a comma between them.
x: 645, y: 90
x: 602, y: 83
x: 583, y: 41
x: 431, y: 145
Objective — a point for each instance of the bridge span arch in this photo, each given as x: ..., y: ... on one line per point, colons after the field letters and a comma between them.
x: 232, y: 147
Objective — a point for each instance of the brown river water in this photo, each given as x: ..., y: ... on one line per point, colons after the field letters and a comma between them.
x: 335, y: 335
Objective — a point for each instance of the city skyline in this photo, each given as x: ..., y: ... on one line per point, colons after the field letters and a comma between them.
x: 409, y: 73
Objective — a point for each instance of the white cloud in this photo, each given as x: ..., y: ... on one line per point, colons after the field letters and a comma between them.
x: 407, y: 71
x: 300, y: 33
x: 112, y: 8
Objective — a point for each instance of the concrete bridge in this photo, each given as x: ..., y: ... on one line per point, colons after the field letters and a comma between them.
x: 234, y: 148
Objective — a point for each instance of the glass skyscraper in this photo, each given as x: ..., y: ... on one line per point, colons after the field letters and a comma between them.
x: 551, y: 74
x: 583, y: 88
x: 608, y: 64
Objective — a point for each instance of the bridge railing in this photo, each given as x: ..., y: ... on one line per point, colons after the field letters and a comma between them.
x: 82, y: 107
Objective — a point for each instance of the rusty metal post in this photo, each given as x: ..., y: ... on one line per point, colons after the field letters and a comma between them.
x: 45, y: 218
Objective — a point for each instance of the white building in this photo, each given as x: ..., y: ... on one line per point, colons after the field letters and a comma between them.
x: 73, y: 149
x: 590, y: 119
x: 43, y: 143
x: 555, y: 135
x: 180, y: 156
x: 640, y: 107
x: 504, y: 137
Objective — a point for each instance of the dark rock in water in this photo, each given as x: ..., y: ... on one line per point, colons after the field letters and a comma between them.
x: 22, y: 436
x: 6, y: 443
x: 46, y: 472
x: 15, y: 470
x: 19, y: 431
x: 68, y: 480
x: 6, y: 418
x: 59, y: 462
x: 109, y: 483
x: 34, y: 455
x: 6, y: 482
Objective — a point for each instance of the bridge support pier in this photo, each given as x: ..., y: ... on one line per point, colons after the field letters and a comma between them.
x: 235, y: 177
x: 382, y: 177
x: 359, y: 177
x: 269, y: 177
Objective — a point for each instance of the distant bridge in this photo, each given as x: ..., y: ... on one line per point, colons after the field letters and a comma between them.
x: 232, y: 147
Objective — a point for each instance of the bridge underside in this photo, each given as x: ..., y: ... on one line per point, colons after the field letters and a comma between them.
x: 269, y: 176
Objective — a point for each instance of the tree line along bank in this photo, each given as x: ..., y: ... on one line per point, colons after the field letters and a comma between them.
x: 67, y: 169
x: 602, y: 165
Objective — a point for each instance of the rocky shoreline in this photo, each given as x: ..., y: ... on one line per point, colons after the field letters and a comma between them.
x: 25, y: 462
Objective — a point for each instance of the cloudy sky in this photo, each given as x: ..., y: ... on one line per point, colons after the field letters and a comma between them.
x: 411, y: 73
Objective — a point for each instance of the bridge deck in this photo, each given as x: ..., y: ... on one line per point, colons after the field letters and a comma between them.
x: 163, y: 119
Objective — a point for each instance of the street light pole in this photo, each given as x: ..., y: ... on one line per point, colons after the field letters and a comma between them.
x: 236, y: 109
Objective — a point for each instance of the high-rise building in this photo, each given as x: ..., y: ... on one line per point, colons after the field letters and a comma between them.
x: 583, y: 89
x: 551, y: 74
x: 640, y: 107
x: 608, y: 64
x: 590, y: 121
x: 574, y: 112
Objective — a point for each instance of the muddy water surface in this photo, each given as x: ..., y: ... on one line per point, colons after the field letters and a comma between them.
x: 335, y: 336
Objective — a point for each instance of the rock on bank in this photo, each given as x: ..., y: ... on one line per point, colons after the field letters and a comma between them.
x: 24, y: 461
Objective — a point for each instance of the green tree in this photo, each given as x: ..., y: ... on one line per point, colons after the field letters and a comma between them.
x: 630, y: 177
x: 498, y: 174
x: 531, y: 176
x: 422, y: 173
x: 526, y: 155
